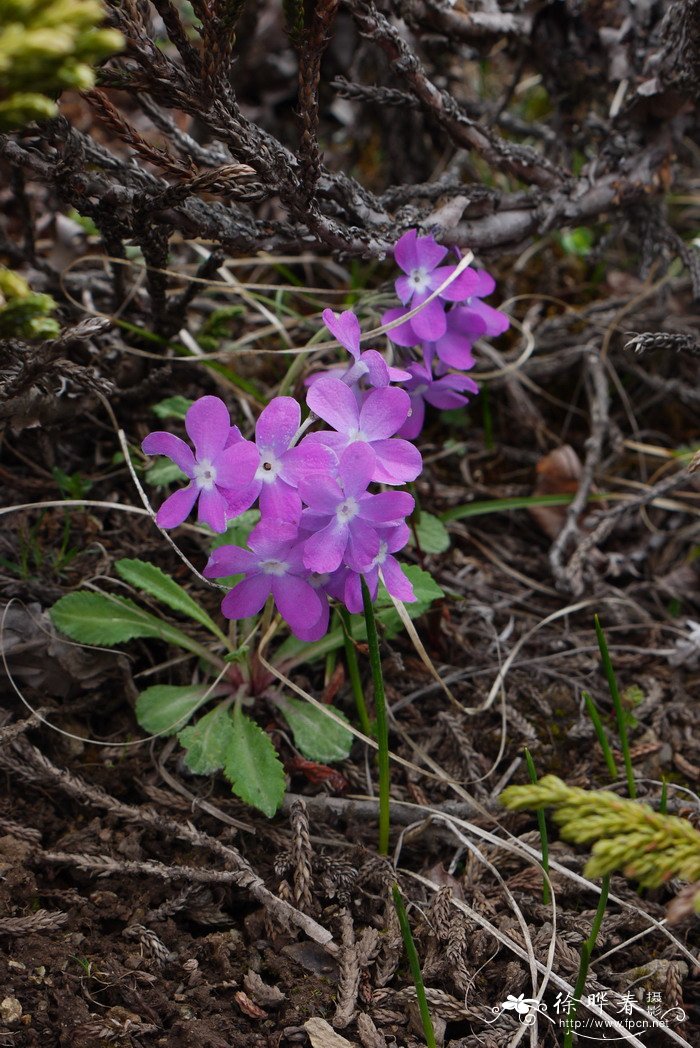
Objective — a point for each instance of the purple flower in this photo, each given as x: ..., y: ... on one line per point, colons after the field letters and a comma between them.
x: 343, y: 515
x: 463, y: 325
x: 217, y: 470
x: 345, y: 327
x: 420, y: 259
x: 444, y: 393
x: 272, y: 565
x: 391, y: 540
x: 382, y: 413
x: 280, y: 467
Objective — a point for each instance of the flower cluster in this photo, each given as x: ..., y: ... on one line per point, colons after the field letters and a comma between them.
x: 322, y: 529
x: 445, y: 329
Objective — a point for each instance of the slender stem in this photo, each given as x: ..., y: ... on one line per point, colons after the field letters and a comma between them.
x: 600, y: 732
x: 617, y: 703
x: 382, y: 720
x: 354, y: 671
x: 541, y: 822
x: 414, y: 964
x: 663, y: 803
x: 584, y: 963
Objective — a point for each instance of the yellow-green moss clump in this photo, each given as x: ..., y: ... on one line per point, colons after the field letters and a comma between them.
x: 24, y: 313
x: 45, y: 47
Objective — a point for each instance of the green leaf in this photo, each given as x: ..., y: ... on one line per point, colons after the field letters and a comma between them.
x: 208, y: 741
x: 150, y: 579
x: 164, y: 709
x: 238, y: 530
x: 172, y: 407
x: 100, y: 618
x: 425, y: 588
x: 433, y: 536
x: 252, y: 765
x: 317, y: 736
x: 163, y: 472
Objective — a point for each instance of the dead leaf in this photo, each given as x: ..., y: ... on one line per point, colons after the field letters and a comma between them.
x: 322, y: 1035
x: 248, y: 1007
x: 558, y: 473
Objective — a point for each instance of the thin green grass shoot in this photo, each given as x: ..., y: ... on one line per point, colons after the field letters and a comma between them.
x: 414, y: 965
x: 542, y: 824
x: 382, y: 720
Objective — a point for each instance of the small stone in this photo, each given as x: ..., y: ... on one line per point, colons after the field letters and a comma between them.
x: 10, y: 1010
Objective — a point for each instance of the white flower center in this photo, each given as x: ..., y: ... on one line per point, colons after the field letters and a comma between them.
x: 357, y: 434
x: 204, y: 475
x: 419, y: 279
x: 269, y: 467
x: 274, y: 567
x: 381, y: 556
x: 347, y: 510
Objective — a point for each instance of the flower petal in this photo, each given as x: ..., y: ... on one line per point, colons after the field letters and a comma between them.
x: 383, y: 412
x: 486, y: 285
x: 324, y: 551
x: 277, y: 424
x: 430, y: 324
x: 322, y: 493
x: 416, y: 418
x: 305, y: 459
x: 320, y: 627
x: 363, y: 545
x: 377, y: 369
x: 405, y: 251
x: 238, y: 500
x: 177, y: 507
x: 229, y: 560
x: 213, y: 509
x: 335, y: 403
x: 280, y: 502
x: 397, y: 461
x: 460, y: 288
x: 429, y: 253
x: 447, y: 392
x: 247, y: 597
x: 357, y: 464
x: 297, y: 601
x: 236, y: 465
x: 404, y: 289
x: 272, y: 538
x: 345, y: 327
x: 208, y: 426
x: 402, y: 334
x: 496, y: 322
x: 396, y: 582
x: 387, y: 506
x: 162, y: 443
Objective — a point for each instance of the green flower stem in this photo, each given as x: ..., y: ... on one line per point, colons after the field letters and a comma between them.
x: 600, y: 732
x: 542, y: 824
x: 382, y: 721
x: 617, y: 703
x: 414, y: 964
x: 584, y: 963
x: 354, y: 671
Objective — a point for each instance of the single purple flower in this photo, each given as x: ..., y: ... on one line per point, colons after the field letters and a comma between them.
x: 280, y: 466
x: 345, y: 327
x: 420, y: 259
x: 216, y: 468
x: 343, y: 515
x: 423, y: 388
x: 272, y: 565
x: 381, y: 415
x: 391, y: 540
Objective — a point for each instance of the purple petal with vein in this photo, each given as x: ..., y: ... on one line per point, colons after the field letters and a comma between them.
x: 247, y: 597
x: 208, y: 426
x: 162, y: 443
x: 177, y: 507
